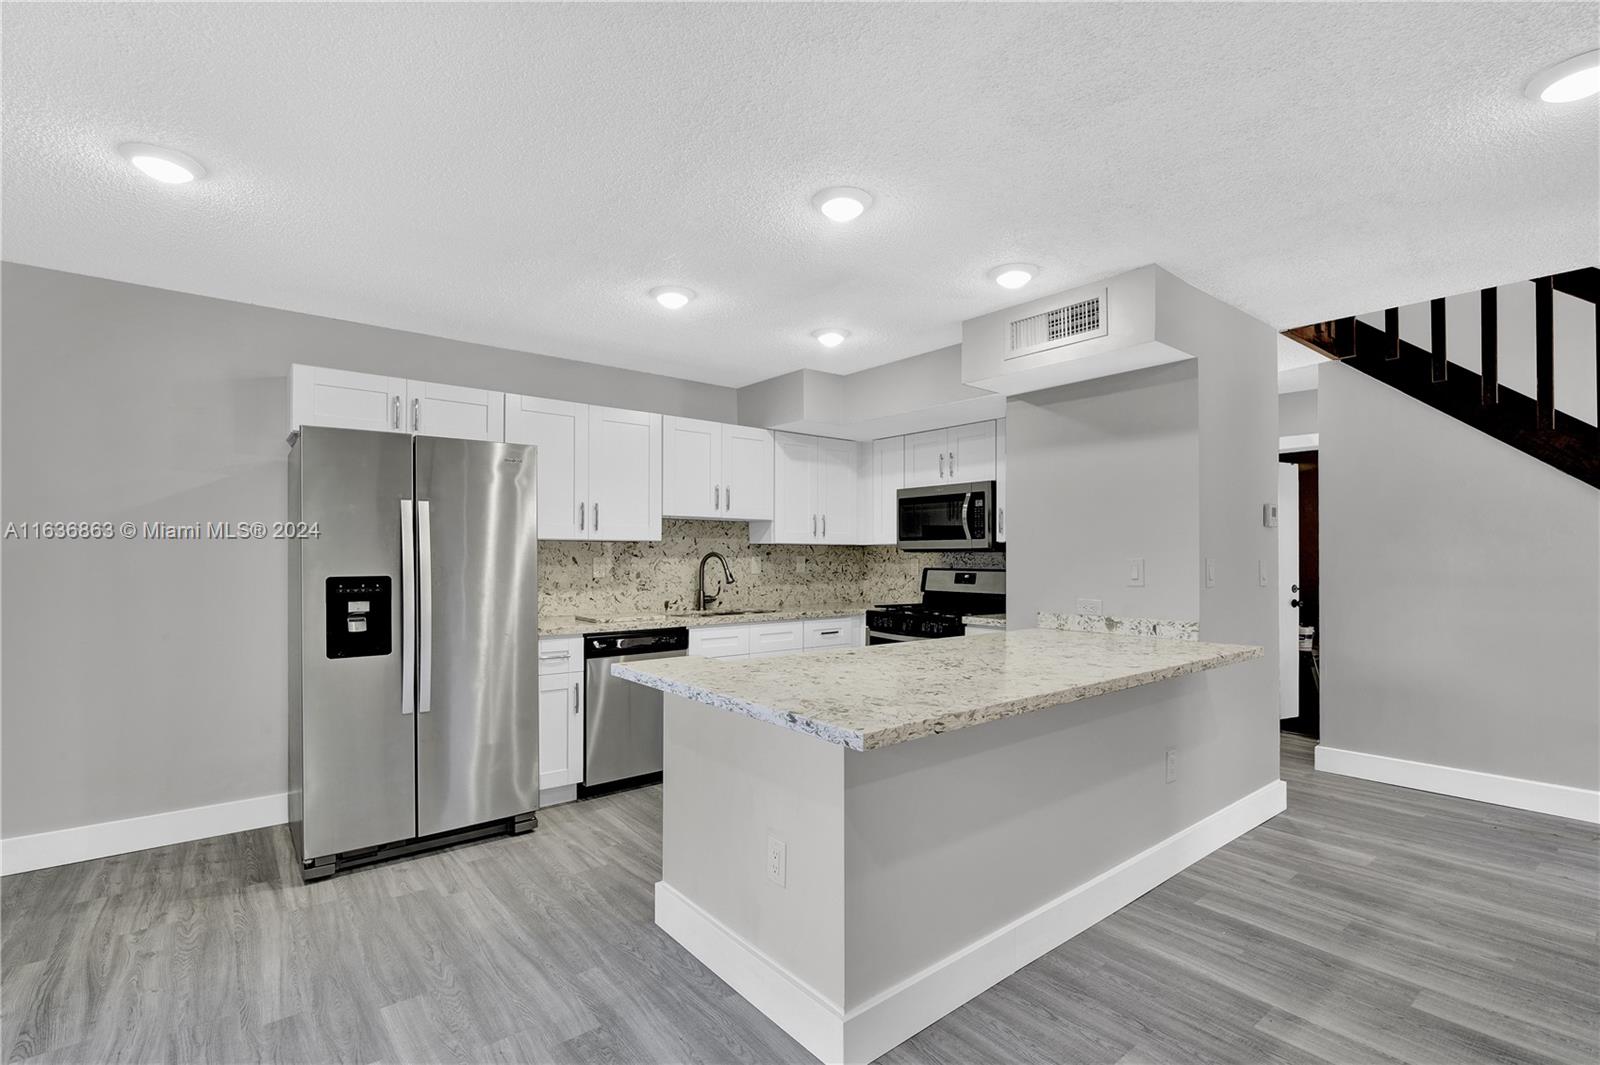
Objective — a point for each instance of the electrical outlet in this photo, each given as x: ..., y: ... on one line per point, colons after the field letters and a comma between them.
x: 1211, y: 573
x: 800, y: 565
x: 755, y: 567
x: 777, y: 861
x: 1135, y: 573
x: 1172, y: 764
x: 1091, y: 608
x: 602, y: 568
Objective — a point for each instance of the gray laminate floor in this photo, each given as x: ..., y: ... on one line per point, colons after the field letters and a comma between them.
x: 1368, y: 923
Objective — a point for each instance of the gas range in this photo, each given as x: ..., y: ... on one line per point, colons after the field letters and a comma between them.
x: 947, y: 596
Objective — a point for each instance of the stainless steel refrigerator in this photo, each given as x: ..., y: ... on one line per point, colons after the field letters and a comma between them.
x: 413, y: 644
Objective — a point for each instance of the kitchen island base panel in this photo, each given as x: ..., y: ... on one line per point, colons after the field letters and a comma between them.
x: 922, y: 874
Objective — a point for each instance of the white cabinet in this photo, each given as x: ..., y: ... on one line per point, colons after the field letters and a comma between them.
x: 560, y: 713
x: 453, y: 411
x: 884, y: 479
x: 746, y: 473
x: 943, y: 456
x: 771, y: 638
x: 815, y: 497
x: 720, y: 641
x: 1000, y: 479
x: 599, y: 468
x: 343, y: 399
x: 624, y: 474
x: 560, y: 730
x: 712, y: 470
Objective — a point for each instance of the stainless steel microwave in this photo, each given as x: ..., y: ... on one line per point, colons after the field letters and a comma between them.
x: 946, y: 517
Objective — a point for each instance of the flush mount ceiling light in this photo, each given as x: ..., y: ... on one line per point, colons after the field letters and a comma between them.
x: 671, y: 296
x: 1575, y: 79
x: 162, y: 164
x: 1013, y: 275
x: 830, y: 338
x: 842, y: 204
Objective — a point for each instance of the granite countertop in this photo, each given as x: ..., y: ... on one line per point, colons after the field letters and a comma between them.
x: 985, y: 621
x: 570, y: 625
x: 869, y: 697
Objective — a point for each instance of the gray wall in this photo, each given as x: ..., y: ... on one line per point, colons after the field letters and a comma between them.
x: 146, y: 677
x: 1460, y: 593
x: 1098, y: 473
x: 1297, y: 412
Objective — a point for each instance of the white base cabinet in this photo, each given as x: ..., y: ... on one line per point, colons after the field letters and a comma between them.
x: 771, y: 638
x: 560, y: 713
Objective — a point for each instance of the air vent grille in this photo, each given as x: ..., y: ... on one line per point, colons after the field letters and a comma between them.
x: 1068, y: 324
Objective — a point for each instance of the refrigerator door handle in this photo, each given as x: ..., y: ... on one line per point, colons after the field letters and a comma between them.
x: 408, y: 608
x: 424, y: 607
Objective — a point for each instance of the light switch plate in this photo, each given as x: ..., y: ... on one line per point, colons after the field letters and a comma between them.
x: 777, y: 861
x: 1135, y: 573
x: 1091, y: 608
x: 1261, y: 572
x: 1211, y: 573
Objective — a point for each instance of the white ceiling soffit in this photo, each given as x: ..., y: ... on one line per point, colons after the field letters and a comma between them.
x: 523, y: 175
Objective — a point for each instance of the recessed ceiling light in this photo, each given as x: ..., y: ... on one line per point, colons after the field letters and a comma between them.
x: 1013, y: 275
x: 842, y: 204
x: 671, y: 296
x: 162, y: 164
x: 830, y: 338
x: 1574, y: 79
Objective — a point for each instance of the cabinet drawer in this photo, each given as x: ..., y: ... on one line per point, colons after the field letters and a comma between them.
x: 720, y: 642
x: 561, y: 655
x: 776, y: 636
x: 830, y: 632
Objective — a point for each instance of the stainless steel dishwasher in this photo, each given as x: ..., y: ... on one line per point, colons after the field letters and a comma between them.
x: 622, y: 720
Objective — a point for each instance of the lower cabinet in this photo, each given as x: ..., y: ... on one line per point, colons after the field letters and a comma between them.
x: 560, y: 714
x: 768, y: 639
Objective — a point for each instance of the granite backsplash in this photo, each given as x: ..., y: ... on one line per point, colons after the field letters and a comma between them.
x: 599, y: 579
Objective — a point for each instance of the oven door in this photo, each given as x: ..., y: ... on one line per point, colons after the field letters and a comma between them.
x: 889, y: 637
x: 946, y: 517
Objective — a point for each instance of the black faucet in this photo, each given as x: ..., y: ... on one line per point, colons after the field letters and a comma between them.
x: 701, y: 599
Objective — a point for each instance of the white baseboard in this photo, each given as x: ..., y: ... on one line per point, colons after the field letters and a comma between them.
x: 64, y: 846
x: 891, y: 1017
x: 1536, y: 795
x: 789, y: 1002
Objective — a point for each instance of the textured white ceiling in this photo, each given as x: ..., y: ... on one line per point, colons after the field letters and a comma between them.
x: 521, y: 175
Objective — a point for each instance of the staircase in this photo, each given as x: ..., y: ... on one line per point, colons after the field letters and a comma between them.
x: 1532, y: 424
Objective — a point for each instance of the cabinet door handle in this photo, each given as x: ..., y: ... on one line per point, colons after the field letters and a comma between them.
x: 941, y: 465
x: 583, y: 512
x: 597, y: 517
x: 828, y: 632
x: 813, y: 525
x: 824, y: 526
x: 1002, y: 519
x: 716, y: 497
x: 952, y: 463
x: 576, y: 705
x: 397, y: 412
x: 727, y: 497
x: 416, y: 412
x: 551, y: 656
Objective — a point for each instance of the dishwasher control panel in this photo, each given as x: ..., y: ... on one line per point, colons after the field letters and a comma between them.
x: 358, y: 616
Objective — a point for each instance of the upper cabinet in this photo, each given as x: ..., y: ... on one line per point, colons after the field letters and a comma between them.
x: 814, y: 492
x: 943, y: 456
x: 712, y: 470
x: 599, y: 468
x: 883, y: 481
x: 344, y: 399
